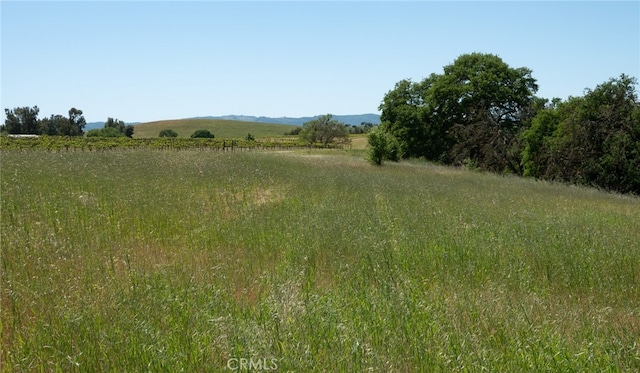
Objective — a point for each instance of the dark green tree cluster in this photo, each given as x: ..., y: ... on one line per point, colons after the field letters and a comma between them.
x: 168, y: 133
x: 202, y: 134
x: 590, y: 140
x: 112, y: 128
x: 24, y: 120
x: 482, y: 113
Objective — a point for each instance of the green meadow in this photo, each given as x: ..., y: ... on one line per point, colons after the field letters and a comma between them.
x: 207, y: 261
x: 228, y: 129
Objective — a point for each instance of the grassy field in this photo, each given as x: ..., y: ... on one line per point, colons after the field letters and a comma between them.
x: 358, y: 142
x: 220, y: 128
x: 206, y: 261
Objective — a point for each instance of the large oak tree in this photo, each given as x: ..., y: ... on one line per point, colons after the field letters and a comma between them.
x: 472, y: 112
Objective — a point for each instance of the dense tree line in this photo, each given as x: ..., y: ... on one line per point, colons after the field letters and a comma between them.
x: 482, y: 113
x: 591, y: 140
x: 24, y: 120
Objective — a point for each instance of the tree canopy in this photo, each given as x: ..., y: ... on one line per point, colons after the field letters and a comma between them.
x: 22, y: 120
x: 324, y: 130
x: 76, y: 124
x: 113, y: 128
x: 204, y: 134
x: 471, y: 112
x: 168, y: 133
x: 591, y: 140
x: 123, y: 128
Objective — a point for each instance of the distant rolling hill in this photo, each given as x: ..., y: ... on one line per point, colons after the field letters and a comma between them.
x: 94, y: 125
x: 221, y: 128
x: 355, y: 120
x: 98, y: 125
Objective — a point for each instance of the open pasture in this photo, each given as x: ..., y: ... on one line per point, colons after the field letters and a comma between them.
x: 152, y: 260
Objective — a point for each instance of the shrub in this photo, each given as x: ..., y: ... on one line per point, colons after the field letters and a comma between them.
x: 204, y: 134
x: 382, y: 146
x: 168, y: 133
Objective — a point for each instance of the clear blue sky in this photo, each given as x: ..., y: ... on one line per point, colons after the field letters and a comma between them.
x: 152, y: 60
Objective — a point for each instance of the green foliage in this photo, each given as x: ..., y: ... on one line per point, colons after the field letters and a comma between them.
x: 168, y: 133
x: 473, y: 111
x: 591, y: 140
x: 75, y: 125
x: 120, y: 126
x: 402, y: 116
x: 382, y: 146
x: 324, y: 130
x: 22, y: 120
x: 51, y: 126
x: 537, y: 138
x: 250, y: 137
x: 105, y: 132
x: 203, y: 134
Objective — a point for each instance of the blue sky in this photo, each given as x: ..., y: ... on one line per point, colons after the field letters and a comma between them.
x: 152, y: 60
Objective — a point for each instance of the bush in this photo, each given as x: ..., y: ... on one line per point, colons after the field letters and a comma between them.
x: 168, y: 133
x: 203, y: 134
x: 382, y: 146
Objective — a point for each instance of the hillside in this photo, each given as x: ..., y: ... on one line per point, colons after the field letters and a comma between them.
x: 243, y: 122
x: 219, y: 127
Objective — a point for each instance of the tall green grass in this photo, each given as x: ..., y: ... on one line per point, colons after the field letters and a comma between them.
x: 185, y: 260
